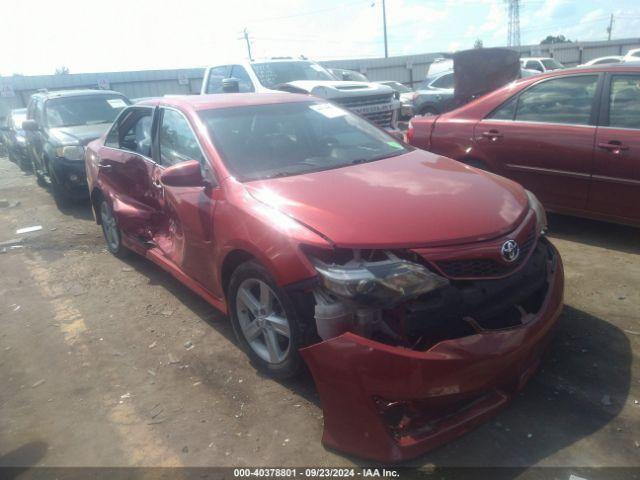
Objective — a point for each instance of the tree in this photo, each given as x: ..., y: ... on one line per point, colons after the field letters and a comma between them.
x: 478, y: 43
x: 62, y: 70
x: 555, y: 39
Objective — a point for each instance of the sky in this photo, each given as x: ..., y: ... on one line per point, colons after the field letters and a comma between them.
x: 39, y: 36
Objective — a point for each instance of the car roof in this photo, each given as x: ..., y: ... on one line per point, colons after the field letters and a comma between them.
x: 226, y: 100
x: 536, y: 58
x: 74, y: 93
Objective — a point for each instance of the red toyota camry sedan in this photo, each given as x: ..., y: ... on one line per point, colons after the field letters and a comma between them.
x: 572, y: 137
x: 420, y: 292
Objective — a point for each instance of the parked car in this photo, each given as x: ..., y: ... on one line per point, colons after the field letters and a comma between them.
x: 572, y: 137
x: 541, y: 64
x: 373, y: 101
x: 436, y: 93
x: 15, y: 139
x: 405, y: 95
x: 611, y: 59
x: 632, y: 55
x: 59, y: 125
x: 419, y: 292
x: 348, y: 75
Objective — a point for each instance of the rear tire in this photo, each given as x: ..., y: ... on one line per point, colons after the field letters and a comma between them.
x: 265, y: 322
x: 111, y: 231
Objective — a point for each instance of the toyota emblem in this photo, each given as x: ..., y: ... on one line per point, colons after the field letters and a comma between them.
x: 510, y: 251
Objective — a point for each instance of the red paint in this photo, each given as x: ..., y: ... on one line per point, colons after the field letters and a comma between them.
x: 568, y: 167
x: 189, y: 223
x: 482, y: 372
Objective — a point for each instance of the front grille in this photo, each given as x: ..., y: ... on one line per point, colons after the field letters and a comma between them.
x: 465, y: 306
x: 382, y: 119
x: 486, y: 267
x: 350, y: 102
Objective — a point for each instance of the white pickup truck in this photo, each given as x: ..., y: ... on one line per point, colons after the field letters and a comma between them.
x: 373, y: 101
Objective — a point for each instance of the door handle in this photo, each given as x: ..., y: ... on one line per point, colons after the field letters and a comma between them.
x: 613, y: 146
x: 102, y: 166
x: 156, y: 183
x: 493, y: 135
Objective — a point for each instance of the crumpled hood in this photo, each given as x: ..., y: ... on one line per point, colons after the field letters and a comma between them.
x: 339, y: 89
x: 80, y: 134
x: 416, y: 199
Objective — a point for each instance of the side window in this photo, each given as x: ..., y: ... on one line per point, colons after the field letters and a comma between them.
x: 560, y: 100
x: 534, y: 65
x: 177, y: 141
x: 445, y: 81
x: 132, y: 131
x: 624, y: 101
x: 238, y: 71
x: 216, y: 75
x: 506, y: 111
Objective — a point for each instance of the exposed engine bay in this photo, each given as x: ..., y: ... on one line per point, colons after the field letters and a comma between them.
x: 383, y: 297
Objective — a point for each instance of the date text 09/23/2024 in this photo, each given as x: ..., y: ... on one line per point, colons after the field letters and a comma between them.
x: 315, y: 473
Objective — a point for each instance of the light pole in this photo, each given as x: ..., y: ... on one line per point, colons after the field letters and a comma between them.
x: 384, y: 26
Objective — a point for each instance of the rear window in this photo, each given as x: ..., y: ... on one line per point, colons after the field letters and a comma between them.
x: 83, y: 110
x: 267, y: 141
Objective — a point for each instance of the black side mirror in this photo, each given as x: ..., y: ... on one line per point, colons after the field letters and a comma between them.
x: 30, y: 126
x: 231, y: 85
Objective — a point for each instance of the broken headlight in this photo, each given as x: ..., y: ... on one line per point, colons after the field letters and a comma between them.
x: 541, y: 215
x: 384, y: 281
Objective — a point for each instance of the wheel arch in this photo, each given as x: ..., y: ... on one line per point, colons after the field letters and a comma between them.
x: 231, y: 261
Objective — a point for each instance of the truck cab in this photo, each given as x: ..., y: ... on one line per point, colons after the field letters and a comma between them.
x: 375, y: 102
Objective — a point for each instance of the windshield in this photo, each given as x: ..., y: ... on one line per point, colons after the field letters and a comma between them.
x: 551, y: 64
x: 275, y: 73
x: 83, y: 110
x: 267, y: 141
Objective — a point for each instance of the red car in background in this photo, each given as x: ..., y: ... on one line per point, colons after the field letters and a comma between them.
x: 420, y: 292
x: 571, y: 136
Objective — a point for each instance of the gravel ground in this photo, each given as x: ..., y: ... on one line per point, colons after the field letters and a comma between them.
x: 95, y: 372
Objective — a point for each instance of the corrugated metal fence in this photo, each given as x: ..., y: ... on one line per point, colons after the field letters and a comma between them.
x: 410, y: 69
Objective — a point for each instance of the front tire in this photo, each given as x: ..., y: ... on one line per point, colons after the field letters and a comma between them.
x: 111, y: 231
x: 60, y: 195
x: 265, y: 322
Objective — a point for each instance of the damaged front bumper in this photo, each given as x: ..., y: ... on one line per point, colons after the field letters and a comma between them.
x: 390, y: 403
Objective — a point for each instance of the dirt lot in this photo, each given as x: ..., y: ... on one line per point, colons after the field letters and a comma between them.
x: 95, y: 369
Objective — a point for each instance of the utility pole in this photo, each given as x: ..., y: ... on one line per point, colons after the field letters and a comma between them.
x: 610, y: 27
x: 245, y: 36
x: 384, y: 26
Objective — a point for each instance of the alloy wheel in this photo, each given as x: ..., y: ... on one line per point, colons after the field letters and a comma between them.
x: 111, y: 233
x: 263, y: 321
